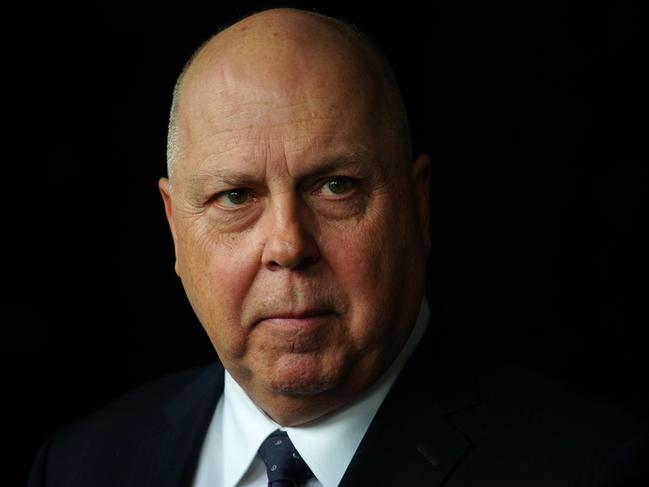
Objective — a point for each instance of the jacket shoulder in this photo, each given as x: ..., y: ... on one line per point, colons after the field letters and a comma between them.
x: 122, y: 428
x: 148, y: 399
x: 554, y: 429
x: 539, y: 399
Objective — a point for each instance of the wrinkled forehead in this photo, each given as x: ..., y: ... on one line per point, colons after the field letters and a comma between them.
x: 235, y: 85
x: 233, y: 95
x: 257, y: 134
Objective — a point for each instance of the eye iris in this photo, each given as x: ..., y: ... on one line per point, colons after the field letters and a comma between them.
x: 338, y: 186
x: 238, y: 197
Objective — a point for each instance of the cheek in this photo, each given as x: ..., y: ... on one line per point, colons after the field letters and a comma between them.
x: 216, y: 272
x: 364, y: 260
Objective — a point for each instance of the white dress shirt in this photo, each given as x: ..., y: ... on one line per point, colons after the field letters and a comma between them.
x: 229, y: 454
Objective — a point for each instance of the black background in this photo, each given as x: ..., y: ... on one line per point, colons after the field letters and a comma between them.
x: 536, y: 123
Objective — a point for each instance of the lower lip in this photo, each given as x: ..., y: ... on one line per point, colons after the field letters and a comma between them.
x: 306, y: 322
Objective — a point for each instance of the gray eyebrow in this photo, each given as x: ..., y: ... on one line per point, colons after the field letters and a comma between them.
x: 236, y: 178
x: 337, y: 163
x: 215, y: 174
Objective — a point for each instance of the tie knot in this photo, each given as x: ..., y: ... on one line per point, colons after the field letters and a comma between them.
x: 284, y: 465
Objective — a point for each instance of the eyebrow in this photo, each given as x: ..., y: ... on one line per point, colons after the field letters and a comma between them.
x: 326, y: 165
x: 221, y: 175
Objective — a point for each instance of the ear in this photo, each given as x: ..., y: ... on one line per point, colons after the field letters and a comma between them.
x: 420, y: 183
x: 165, y: 191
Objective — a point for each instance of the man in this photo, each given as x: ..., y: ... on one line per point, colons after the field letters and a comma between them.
x: 300, y: 226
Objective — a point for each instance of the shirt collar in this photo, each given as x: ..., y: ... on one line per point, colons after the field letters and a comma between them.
x: 327, y: 444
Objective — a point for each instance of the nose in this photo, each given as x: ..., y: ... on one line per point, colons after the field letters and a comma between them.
x: 290, y: 242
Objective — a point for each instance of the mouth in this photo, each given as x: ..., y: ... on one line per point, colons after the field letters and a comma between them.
x: 303, y: 318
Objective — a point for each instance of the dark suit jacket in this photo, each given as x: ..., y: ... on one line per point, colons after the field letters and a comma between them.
x: 445, y: 422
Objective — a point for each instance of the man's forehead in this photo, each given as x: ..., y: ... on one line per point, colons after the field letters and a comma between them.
x: 242, y: 119
x: 241, y: 140
x: 252, y: 135
x: 282, y: 50
x: 235, y: 105
x: 260, y: 148
x: 238, y: 83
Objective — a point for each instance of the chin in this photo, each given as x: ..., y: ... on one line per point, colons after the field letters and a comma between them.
x: 302, y: 376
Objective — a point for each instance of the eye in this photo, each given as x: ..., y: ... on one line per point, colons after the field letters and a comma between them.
x: 337, y: 186
x: 233, y: 198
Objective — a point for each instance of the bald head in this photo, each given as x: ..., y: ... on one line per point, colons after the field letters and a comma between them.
x: 288, y: 50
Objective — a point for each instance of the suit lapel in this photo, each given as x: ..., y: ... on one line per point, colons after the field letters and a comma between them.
x: 170, y: 455
x: 410, y: 440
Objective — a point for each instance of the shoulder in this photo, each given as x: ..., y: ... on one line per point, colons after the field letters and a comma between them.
x: 123, y: 427
x: 534, y: 397
x: 507, y: 395
x: 543, y: 422
x: 525, y: 424
x: 146, y: 401
x: 516, y: 397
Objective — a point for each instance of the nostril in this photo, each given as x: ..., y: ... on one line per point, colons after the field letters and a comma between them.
x: 295, y: 264
x: 273, y: 265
